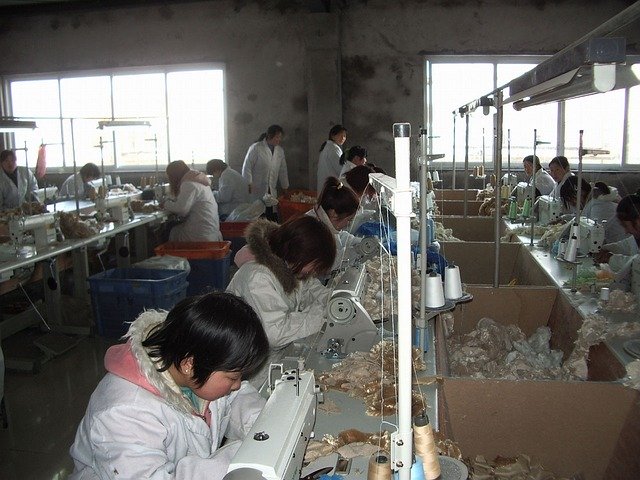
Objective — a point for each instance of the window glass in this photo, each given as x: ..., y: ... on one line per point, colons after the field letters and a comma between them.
x: 196, y: 115
x: 633, y: 139
x: 38, y: 100
x: 520, y: 126
x: 454, y: 84
x: 602, y: 118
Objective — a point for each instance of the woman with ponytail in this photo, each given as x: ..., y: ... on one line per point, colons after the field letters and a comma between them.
x: 336, y: 207
x: 353, y: 157
x: 330, y: 153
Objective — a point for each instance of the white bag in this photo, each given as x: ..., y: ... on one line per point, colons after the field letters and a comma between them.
x: 247, y: 212
x: 165, y: 262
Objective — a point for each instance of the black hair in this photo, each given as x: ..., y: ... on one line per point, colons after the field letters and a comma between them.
x: 271, y: 132
x: 336, y: 129
x: 90, y: 170
x: 338, y: 197
x: 304, y: 240
x: 214, y: 165
x: 600, y: 188
x: 6, y: 154
x: 351, y: 153
x: 358, y: 178
x: 561, y: 161
x: 569, y: 191
x: 219, y: 330
x: 531, y: 159
x: 628, y: 209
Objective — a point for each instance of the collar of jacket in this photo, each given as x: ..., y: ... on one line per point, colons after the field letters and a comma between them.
x: 143, y: 371
x: 257, y: 239
x: 324, y: 218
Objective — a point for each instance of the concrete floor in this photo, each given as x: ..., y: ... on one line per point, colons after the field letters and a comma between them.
x: 45, y: 408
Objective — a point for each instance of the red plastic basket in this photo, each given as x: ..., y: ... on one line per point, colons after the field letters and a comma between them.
x: 195, y: 250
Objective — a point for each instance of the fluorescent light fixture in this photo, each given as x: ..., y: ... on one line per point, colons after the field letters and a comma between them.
x: 102, y: 124
x: 593, y: 66
x: 485, y: 102
x: 13, y: 125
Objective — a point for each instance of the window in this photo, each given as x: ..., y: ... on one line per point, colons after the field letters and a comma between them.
x: 454, y: 81
x: 185, y: 107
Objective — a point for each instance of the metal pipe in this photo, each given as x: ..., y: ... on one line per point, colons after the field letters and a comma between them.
x: 75, y: 168
x: 423, y: 235
x: 453, y: 173
x: 497, y: 166
x: 533, y: 184
x: 509, y: 158
x: 466, y: 163
x: 484, y: 177
x: 401, y: 133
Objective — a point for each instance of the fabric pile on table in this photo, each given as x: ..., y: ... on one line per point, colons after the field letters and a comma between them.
x: 73, y: 227
x: 619, y: 301
x: 140, y: 206
x: 349, y: 443
x: 445, y: 234
x: 300, y: 197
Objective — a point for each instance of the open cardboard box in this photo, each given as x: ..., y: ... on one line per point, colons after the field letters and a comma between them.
x: 473, y: 229
x: 592, y: 428
x: 456, y: 207
x: 529, y: 308
x: 457, y: 194
x: 476, y: 262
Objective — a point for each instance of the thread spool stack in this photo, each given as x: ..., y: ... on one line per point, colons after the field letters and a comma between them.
x: 604, y: 294
x: 435, y: 293
x: 425, y: 446
x: 504, y: 191
x: 572, y: 249
x: 429, y: 177
x: 379, y: 466
x: 562, y: 248
x: 526, y: 208
x: 492, y: 179
x: 513, y: 209
x: 452, y: 283
x: 436, y: 176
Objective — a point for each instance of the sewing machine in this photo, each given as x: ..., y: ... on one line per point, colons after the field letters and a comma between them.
x: 523, y: 191
x: 117, y: 209
x: 43, y: 227
x: 549, y: 209
x: 591, y: 236
x: 349, y: 327
x: 274, y: 447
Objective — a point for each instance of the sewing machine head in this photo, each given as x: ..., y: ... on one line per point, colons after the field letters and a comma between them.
x: 523, y: 191
x: 349, y: 327
x: 274, y: 447
x: 117, y: 209
x: 549, y: 209
x: 591, y: 236
x: 43, y: 226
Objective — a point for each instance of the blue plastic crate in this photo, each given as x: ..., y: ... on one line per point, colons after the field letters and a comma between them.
x: 118, y: 296
x: 208, y: 275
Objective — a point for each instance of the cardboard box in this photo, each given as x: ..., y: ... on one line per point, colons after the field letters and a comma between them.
x: 591, y: 428
x: 473, y: 229
x: 458, y: 194
x: 476, y: 262
x: 456, y: 207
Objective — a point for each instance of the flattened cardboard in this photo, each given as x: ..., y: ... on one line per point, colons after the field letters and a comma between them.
x: 473, y: 229
x: 571, y: 427
x: 458, y: 194
x: 476, y: 262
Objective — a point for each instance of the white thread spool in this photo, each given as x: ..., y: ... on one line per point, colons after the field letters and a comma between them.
x: 572, y: 249
x: 429, y: 176
x: 436, y: 176
x: 562, y: 247
x: 574, y: 231
x: 604, y: 294
x: 435, y: 293
x: 452, y: 283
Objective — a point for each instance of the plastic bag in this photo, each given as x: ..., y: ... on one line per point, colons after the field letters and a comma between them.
x: 165, y: 262
x: 246, y: 212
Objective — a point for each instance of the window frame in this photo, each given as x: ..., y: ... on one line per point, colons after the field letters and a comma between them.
x: 429, y: 60
x: 111, y: 72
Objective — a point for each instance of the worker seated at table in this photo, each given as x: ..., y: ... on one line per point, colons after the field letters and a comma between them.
x: 336, y: 207
x: 173, y: 393
x: 620, y: 255
x: 233, y: 189
x: 17, y: 184
x: 598, y: 203
x: 81, y: 181
x: 544, y: 182
x: 277, y: 276
x: 192, y: 200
